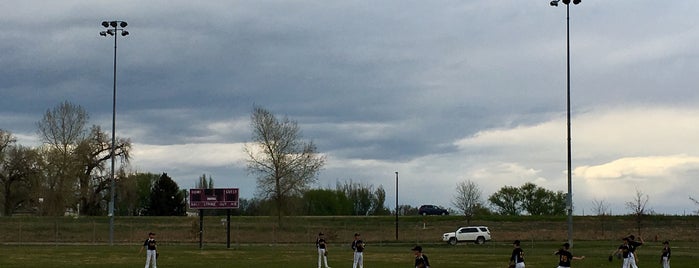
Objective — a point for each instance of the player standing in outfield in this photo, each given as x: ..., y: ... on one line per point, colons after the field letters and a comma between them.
x: 322, y: 250
x: 358, y: 247
x: 565, y: 257
x: 517, y: 258
x: 151, y: 251
x: 665, y: 257
x: 421, y: 260
x: 623, y: 250
x: 633, y: 245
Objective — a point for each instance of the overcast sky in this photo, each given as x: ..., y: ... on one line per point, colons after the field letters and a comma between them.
x: 439, y: 91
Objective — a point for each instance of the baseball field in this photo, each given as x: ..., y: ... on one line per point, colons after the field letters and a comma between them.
x: 260, y: 242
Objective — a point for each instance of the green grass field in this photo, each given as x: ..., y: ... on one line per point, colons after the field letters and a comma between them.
x: 494, y: 254
x: 259, y: 242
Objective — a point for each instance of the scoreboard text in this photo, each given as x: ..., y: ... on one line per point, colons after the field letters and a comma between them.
x: 223, y: 198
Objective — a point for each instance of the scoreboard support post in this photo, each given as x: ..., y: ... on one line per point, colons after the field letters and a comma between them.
x: 218, y: 198
x: 201, y: 229
x: 228, y: 228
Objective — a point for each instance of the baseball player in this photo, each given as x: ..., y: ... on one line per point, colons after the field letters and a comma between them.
x: 565, y: 257
x: 517, y: 257
x: 421, y: 260
x: 623, y: 250
x: 665, y: 257
x: 322, y: 250
x: 358, y: 247
x: 151, y: 251
x: 633, y: 245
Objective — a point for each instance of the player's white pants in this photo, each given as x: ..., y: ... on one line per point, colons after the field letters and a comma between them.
x: 666, y: 262
x: 321, y: 256
x: 625, y: 263
x: 150, y: 255
x: 632, y: 260
x: 519, y: 265
x: 358, y: 260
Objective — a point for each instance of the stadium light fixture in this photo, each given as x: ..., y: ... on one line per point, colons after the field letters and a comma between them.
x: 114, y: 25
x: 569, y: 196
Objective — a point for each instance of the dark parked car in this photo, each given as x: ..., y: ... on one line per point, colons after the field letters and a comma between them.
x: 432, y: 210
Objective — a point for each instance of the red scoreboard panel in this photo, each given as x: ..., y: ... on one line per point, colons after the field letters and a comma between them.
x: 223, y: 198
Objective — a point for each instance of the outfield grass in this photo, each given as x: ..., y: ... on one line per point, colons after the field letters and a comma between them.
x: 495, y: 254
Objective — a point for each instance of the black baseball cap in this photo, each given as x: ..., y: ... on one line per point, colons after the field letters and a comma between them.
x: 417, y: 248
x: 321, y: 233
x: 356, y: 234
x: 516, y: 242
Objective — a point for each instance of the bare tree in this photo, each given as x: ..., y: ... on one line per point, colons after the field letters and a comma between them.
x: 467, y: 198
x: 61, y: 129
x: 600, y: 207
x: 638, y: 209
x: 76, y: 157
x: 696, y: 203
x: 285, y: 165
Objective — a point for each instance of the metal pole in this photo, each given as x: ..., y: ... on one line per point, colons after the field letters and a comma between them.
x: 112, y: 187
x: 396, y: 205
x: 201, y: 229
x: 228, y: 229
x: 570, y: 172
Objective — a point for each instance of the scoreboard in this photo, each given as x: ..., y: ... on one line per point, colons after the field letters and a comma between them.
x: 220, y: 198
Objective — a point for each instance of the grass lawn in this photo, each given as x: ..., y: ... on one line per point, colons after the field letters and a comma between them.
x: 492, y: 254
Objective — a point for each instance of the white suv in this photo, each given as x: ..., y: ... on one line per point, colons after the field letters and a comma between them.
x: 477, y: 234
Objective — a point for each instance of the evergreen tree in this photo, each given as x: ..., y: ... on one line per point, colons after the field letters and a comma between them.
x: 166, y: 199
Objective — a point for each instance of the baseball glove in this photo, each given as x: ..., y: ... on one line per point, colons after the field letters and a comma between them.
x: 611, y: 258
x: 325, y: 253
x: 511, y: 266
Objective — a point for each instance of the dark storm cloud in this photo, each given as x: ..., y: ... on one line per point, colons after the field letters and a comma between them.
x: 450, y: 87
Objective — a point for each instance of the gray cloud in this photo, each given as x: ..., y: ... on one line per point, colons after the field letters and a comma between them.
x: 441, y: 91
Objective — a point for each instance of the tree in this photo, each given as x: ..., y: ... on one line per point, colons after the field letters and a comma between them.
x: 467, y: 199
x: 204, y: 183
x: 61, y: 129
x: 19, y: 170
x: 284, y: 164
x: 166, y: 199
x: 539, y: 201
x: 76, y: 159
x: 507, y: 201
x: 134, y: 193
x: 696, y: 203
x: 377, y: 202
x: 92, y: 154
x: 600, y: 207
x: 637, y: 206
x: 326, y: 202
x: 363, y: 198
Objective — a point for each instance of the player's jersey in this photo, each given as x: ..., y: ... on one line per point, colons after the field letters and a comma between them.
x: 320, y: 243
x: 564, y: 258
x: 517, y: 255
x: 624, y: 250
x: 358, y: 245
x: 422, y: 261
x: 149, y: 244
x: 666, y: 253
x: 633, y: 245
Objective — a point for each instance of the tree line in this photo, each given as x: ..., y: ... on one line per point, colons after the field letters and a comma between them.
x: 69, y: 172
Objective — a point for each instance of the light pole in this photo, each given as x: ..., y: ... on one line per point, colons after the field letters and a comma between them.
x: 396, y: 205
x: 113, y: 27
x: 569, y: 201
